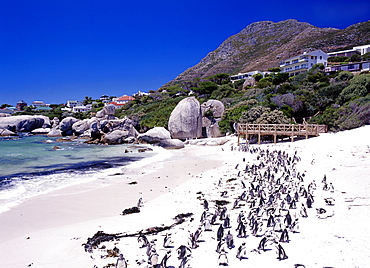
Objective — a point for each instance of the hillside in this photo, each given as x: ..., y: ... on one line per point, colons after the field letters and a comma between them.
x: 262, y: 45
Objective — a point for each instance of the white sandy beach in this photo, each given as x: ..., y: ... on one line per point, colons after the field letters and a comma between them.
x: 49, y: 230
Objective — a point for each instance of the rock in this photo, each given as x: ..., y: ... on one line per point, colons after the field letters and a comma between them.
x: 41, y: 131
x: 66, y: 125
x: 107, y: 112
x: 186, y: 120
x: 55, y: 122
x: 55, y: 133
x: 24, y: 123
x: 4, y: 115
x: 171, y: 144
x: 115, y: 137
x: 80, y: 127
x: 154, y: 135
x: 209, y: 141
x: 6, y: 133
x: 215, y: 107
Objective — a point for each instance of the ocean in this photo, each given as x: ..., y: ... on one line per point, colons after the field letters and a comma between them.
x: 35, y: 165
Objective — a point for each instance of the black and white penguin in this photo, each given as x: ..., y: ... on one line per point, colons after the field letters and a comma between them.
x: 121, y: 262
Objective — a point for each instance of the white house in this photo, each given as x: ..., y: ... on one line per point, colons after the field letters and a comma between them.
x: 303, y: 62
x: 241, y: 76
x: 350, y: 67
x: 37, y: 104
x: 73, y: 103
x: 349, y: 52
x: 81, y: 109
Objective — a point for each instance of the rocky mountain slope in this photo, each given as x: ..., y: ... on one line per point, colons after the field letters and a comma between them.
x: 262, y: 45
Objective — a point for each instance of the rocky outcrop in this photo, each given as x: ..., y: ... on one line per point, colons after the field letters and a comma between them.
x: 154, y: 135
x: 209, y: 141
x: 107, y: 112
x: 7, y: 133
x: 66, y: 125
x: 55, y: 132
x: 24, y: 123
x: 41, y: 131
x: 186, y: 120
x: 115, y: 137
x: 161, y: 137
x: 212, y: 111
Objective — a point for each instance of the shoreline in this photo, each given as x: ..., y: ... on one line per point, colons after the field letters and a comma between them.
x: 56, y: 233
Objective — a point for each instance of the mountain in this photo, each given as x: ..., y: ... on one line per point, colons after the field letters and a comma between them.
x: 262, y: 45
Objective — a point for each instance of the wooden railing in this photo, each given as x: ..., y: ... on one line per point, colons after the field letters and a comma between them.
x: 275, y: 130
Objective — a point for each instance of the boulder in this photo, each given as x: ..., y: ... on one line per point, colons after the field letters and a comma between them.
x: 214, y: 107
x: 41, y: 131
x: 80, y: 127
x: 171, y: 144
x: 186, y: 120
x: 66, y: 125
x: 154, y: 135
x: 115, y: 137
x: 107, y: 112
x: 55, y: 133
x: 55, y: 122
x: 4, y: 115
x: 24, y: 123
x: 6, y: 133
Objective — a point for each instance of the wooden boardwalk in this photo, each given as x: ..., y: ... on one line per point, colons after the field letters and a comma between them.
x: 275, y: 130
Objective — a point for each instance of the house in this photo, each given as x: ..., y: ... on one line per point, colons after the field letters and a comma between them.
x: 37, y: 104
x: 350, y: 67
x: 119, y: 102
x: 303, y: 62
x: 20, y: 105
x: 241, y: 76
x: 349, y: 52
x: 81, y: 109
x: 73, y: 103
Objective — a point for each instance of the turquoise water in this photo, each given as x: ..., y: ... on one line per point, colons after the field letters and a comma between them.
x: 34, y: 165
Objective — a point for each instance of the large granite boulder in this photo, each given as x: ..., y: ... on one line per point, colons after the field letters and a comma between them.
x: 115, y: 137
x: 82, y: 127
x: 66, y: 125
x: 213, y: 107
x: 24, y: 123
x: 55, y: 132
x: 41, y: 131
x: 6, y: 133
x: 107, y: 112
x: 154, y: 135
x: 212, y: 111
x: 186, y: 120
x: 171, y: 144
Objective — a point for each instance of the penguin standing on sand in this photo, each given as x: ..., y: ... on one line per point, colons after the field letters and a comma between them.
x: 222, y: 259
x: 220, y: 233
x: 167, y: 241
x: 121, y: 262
x: 241, y: 253
x: 165, y: 259
x: 281, y: 252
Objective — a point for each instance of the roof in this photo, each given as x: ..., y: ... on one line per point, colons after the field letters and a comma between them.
x: 125, y: 98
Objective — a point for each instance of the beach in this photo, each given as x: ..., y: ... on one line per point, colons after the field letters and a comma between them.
x: 50, y: 230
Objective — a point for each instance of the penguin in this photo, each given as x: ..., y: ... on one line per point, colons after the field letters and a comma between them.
x: 140, y: 203
x: 184, y: 262
x: 222, y: 259
x: 207, y: 225
x: 205, y: 204
x: 165, y: 259
x: 220, y: 232
x: 183, y: 251
x: 229, y: 240
x: 284, y: 236
x: 167, y: 241
x: 220, y: 246
x: 262, y: 244
x: 143, y: 240
x: 241, y: 253
x: 121, y: 262
x: 281, y: 253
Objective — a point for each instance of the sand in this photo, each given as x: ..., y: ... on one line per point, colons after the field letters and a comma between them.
x: 49, y: 230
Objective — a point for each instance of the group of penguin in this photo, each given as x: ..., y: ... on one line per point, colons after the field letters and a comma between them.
x: 269, y: 198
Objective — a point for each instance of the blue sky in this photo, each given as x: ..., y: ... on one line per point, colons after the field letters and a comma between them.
x: 65, y: 50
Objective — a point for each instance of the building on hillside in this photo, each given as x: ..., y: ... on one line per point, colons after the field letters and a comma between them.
x: 82, y: 109
x: 350, y: 67
x: 240, y: 76
x: 74, y: 103
x: 20, y: 105
x: 303, y: 62
x: 361, y: 50
x: 119, y: 102
x: 39, y: 104
x: 105, y: 99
